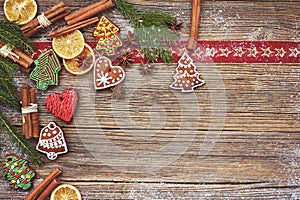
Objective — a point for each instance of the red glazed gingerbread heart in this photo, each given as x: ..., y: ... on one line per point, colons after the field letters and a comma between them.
x: 106, y: 75
x: 62, y: 105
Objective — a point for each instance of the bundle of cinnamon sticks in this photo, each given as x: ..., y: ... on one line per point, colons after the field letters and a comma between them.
x: 16, y: 56
x: 83, y: 17
x: 196, y: 8
x: 45, y: 188
x: 50, y: 16
x: 30, y: 125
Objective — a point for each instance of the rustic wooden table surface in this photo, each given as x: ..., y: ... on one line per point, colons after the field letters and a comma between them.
x: 235, y: 138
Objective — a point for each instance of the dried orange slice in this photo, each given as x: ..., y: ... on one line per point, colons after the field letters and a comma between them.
x: 21, y: 11
x: 69, y: 45
x: 82, y: 63
x: 65, y: 192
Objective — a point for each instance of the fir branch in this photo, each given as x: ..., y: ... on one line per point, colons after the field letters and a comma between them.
x: 9, y: 100
x: 18, y: 140
x: 11, y: 34
x: 159, y: 19
x: 7, y: 85
x: 129, y: 11
x: 151, y: 30
x: 7, y: 66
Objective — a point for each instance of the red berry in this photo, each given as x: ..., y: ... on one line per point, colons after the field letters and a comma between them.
x: 13, y: 186
x: 19, y: 165
x: 6, y: 170
x: 12, y: 173
x: 25, y: 181
x: 17, y: 176
x: 25, y: 171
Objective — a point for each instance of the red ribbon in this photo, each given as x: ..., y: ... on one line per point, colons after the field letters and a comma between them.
x: 227, y: 52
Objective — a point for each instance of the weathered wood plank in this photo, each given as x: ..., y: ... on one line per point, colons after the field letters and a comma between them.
x: 256, y: 97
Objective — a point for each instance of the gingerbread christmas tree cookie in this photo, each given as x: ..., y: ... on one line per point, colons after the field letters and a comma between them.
x: 46, y: 71
x: 106, y: 32
x: 186, y: 77
x: 17, y: 172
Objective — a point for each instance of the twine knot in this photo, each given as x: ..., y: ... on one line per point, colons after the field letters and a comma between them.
x: 6, y: 50
x: 43, y: 20
x: 32, y: 108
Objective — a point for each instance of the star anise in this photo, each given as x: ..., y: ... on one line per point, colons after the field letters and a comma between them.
x: 125, y: 59
x: 146, y: 69
x: 118, y: 92
x: 176, y: 26
x: 84, y: 61
x: 131, y: 40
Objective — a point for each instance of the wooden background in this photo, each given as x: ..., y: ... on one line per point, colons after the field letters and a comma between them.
x: 116, y: 148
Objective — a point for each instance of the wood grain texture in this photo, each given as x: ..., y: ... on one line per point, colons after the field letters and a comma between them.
x: 235, y: 138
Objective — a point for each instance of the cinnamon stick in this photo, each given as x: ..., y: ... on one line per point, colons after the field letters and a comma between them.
x: 26, y: 118
x: 89, y: 11
x: 68, y: 29
x: 54, y: 184
x: 38, y: 28
x: 195, y: 20
x: 34, y: 23
x: 34, y: 194
x: 22, y: 59
x: 34, y: 116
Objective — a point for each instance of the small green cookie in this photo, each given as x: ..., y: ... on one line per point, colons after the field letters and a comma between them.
x: 17, y: 172
x: 46, y: 71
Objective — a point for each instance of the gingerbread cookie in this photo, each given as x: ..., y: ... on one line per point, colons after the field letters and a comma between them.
x: 46, y: 71
x: 186, y: 77
x: 17, y: 172
x: 106, y: 32
x: 62, y: 105
x: 106, y: 75
x: 52, y: 141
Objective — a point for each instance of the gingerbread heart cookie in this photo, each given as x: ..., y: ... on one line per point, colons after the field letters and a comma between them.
x: 106, y: 75
x: 63, y: 105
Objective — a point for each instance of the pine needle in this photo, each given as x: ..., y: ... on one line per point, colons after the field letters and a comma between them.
x: 16, y: 138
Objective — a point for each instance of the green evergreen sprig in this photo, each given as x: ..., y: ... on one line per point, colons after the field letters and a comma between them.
x: 20, y: 142
x: 11, y: 35
x: 151, y: 30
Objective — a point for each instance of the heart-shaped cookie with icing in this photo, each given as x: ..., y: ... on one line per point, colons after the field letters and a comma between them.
x: 106, y: 75
x: 62, y: 105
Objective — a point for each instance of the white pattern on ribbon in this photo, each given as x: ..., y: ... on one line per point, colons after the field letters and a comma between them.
x: 211, y: 52
x: 267, y: 52
x: 294, y: 52
x: 280, y: 52
x: 238, y: 52
x: 224, y: 52
x: 253, y: 52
